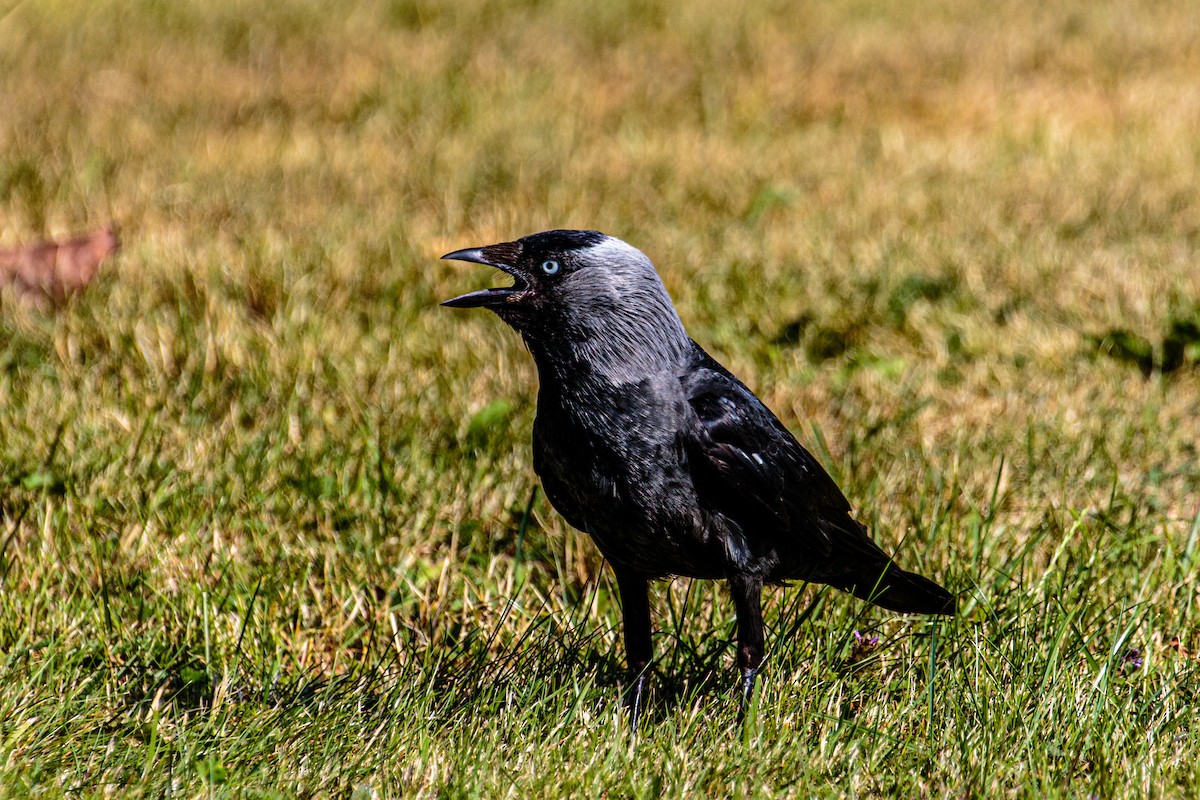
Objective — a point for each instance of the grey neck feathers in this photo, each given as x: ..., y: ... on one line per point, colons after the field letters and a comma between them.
x: 614, y: 339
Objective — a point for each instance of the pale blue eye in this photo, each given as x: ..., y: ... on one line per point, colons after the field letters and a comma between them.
x: 550, y: 266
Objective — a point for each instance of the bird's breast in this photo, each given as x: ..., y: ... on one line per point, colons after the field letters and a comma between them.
x: 612, y: 464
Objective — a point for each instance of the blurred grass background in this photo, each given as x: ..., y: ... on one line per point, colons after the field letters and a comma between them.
x: 267, y: 521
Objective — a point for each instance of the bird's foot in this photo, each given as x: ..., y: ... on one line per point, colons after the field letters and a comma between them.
x: 748, y: 676
x: 635, y: 701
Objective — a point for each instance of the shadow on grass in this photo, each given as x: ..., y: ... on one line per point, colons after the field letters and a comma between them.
x: 1178, y: 347
x: 546, y: 670
x: 551, y: 669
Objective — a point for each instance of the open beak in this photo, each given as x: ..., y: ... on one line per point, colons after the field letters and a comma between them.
x: 485, y: 298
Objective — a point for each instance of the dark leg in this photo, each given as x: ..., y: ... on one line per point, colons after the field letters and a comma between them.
x: 635, y: 609
x: 747, y: 596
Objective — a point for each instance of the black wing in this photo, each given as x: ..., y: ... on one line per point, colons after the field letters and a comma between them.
x: 749, y: 467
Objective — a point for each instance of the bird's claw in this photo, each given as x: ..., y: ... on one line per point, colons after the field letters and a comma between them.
x: 748, y: 676
x: 636, y: 700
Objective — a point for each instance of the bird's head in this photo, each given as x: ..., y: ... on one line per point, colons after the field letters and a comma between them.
x: 579, y: 290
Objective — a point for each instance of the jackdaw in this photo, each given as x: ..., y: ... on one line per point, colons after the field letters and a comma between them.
x: 662, y: 456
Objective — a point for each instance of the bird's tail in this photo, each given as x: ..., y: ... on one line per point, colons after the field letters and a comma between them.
x: 864, y: 570
x: 897, y: 590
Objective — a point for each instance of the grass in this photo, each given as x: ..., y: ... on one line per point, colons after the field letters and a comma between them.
x: 268, y: 522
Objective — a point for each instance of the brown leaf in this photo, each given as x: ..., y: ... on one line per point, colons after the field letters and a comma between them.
x: 55, y: 270
x: 1178, y: 646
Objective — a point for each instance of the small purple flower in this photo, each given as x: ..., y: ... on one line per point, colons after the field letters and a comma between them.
x: 1132, y: 660
x: 865, y: 641
x: 863, y: 646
